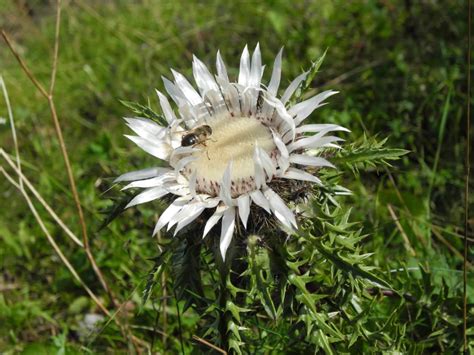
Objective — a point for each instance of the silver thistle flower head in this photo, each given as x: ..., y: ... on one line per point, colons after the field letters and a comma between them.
x: 229, y: 146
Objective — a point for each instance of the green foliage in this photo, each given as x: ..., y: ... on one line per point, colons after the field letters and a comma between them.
x: 367, y: 153
x: 395, y: 67
x: 305, y: 84
x: 144, y: 111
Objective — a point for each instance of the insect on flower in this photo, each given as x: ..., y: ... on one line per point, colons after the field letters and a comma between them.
x: 198, y: 135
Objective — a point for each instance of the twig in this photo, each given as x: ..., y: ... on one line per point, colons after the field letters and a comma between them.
x: 402, y: 201
x: 402, y: 232
x: 212, y: 346
x: 35, y: 192
x: 12, y: 125
x: 56, y: 47
x: 24, y: 66
x: 72, y: 183
x: 21, y: 188
x: 53, y: 243
x: 52, y: 107
x: 450, y: 247
x: 468, y: 170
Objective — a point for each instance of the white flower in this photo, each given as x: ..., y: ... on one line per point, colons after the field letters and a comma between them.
x: 257, y: 140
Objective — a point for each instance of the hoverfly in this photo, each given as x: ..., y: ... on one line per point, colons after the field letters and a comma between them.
x: 198, y: 135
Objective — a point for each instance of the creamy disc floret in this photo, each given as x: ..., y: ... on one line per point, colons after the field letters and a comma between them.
x: 232, y: 140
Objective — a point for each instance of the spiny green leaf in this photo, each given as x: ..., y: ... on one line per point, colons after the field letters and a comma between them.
x: 351, y: 268
x: 304, y: 86
x: 116, y: 209
x: 367, y: 153
x: 145, y: 111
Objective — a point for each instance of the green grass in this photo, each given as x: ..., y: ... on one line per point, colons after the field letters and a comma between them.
x: 400, y: 74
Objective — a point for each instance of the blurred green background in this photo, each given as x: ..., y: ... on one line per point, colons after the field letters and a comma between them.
x: 400, y: 67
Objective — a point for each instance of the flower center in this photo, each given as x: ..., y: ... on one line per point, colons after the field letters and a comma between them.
x: 232, y: 139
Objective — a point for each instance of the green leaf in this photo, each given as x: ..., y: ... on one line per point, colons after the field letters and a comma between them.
x: 351, y: 268
x: 116, y: 209
x: 304, y: 86
x: 145, y: 111
x: 367, y: 153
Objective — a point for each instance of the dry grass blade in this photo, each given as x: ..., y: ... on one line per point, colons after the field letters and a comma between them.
x: 53, y: 242
x: 402, y: 231
x: 468, y: 170
x: 49, y: 97
x: 38, y: 196
x: 212, y: 346
x: 62, y: 144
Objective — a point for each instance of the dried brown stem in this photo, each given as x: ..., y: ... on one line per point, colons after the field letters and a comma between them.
x: 449, y: 246
x: 56, y: 47
x: 212, y: 346
x: 402, y: 231
x: 53, y: 242
x: 467, y: 173
x: 29, y: 185
x: 62, y: 145
x: 49, y: 97
x: 24, y: 66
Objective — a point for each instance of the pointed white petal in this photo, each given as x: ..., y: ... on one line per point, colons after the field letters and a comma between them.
x: 183, y: 162
x: 185, y: 209
x: 170, y: 212
x: 225, y: 186
x: 184, y: 150
x: 192, y: 183
x: 312, y: 142
x: 280, y: 209
x: 189, y: 216
x: 259, y: 199
x: 215, y: 99
x: 309, y: 161
x: 243, y: 202
x: 157, y: 149
x: 141, y: 174
x: 228, y: 224
x: 256, y: 70
x: 153, y: 182
x: 186, y: 88
x: 247, y: 98
x: 232, y: 97
x: 166, y: 108
x: 283, y: 159
x: 283, y: 115
x: 305, y: 108
x: 297, y: 174
x: 178, y: 189
x: 292, y: 87
x: 331, y: 145
x: 221, y: 69
x: 276, y: 75
x: 203, y: 77
x: 148, y: 195
x: 267, y: 163
x: 212, y: 221
x: 258, y: 168
x: 320, y: 127
x: 244, y: 72
x: 174, y: 92
x: 145, y: 128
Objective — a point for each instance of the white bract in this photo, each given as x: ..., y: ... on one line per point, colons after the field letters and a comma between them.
x: 257, y: 138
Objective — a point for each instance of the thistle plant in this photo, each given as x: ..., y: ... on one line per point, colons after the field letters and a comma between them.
x: 259, y: 240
